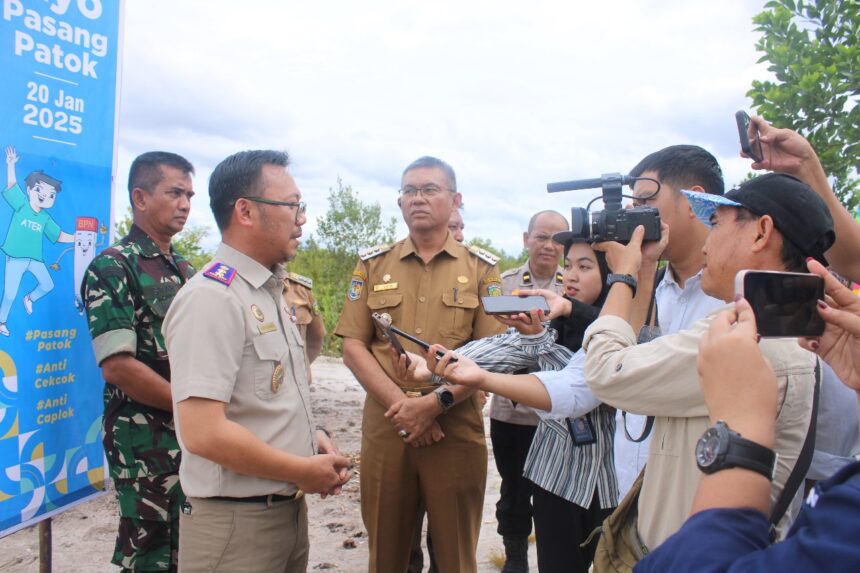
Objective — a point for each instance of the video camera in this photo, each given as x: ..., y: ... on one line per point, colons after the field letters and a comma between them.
x: 614, y: 223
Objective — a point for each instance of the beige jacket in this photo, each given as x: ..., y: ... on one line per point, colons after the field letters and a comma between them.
x: 660, y: 379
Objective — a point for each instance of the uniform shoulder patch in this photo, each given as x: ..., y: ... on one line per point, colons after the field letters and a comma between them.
x: 220, y: 272
x: 374, y: 251
x: 485, y: 256
x: 301, y: 279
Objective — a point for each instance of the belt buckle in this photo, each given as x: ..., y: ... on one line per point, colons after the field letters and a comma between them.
x: 413, y: 394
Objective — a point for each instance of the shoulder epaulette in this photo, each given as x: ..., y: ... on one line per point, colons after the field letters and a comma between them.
x: 301, y: 279
x: 510, y: 272
x: 485, y: 256
x: 220, y: 272
x: 374, y: 251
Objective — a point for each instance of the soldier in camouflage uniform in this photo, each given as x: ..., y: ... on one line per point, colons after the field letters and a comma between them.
x: 127, y: 290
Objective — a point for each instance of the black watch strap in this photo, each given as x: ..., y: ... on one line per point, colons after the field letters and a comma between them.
x: 744, y: 453
x: 629, y: 280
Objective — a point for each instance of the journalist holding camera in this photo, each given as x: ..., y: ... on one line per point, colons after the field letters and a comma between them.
x: 772, y: 222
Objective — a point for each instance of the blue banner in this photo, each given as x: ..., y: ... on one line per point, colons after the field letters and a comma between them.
x: 58, y: 106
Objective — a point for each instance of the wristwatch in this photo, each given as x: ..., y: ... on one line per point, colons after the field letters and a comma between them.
x: 721, y: 448
x: 445, y: 398
x: 629, y: 280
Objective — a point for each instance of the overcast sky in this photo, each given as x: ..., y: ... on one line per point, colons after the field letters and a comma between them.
x: 512, y: 94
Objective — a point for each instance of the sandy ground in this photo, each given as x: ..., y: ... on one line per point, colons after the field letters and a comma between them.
x: 83, y: 537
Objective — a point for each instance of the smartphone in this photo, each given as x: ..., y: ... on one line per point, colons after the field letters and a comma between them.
x: 384, y: 324
x: 751, y: 148
x: 784, y: 304
x: 510, y: 304
x: 392, y: 333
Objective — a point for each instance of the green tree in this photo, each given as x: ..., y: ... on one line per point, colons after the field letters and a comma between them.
x: 506, y: 261
x: 188, y: 243
x: 813, y: 49
x: 329, y: 256
x: 350, y: 225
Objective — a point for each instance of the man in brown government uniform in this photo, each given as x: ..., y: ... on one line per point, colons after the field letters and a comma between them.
x: 512, y: 426
x: 305, y: 314
x: 240, y: 392
x: 426, y: 443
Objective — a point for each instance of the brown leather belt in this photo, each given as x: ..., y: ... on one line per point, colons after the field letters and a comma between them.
x: 258, y: 498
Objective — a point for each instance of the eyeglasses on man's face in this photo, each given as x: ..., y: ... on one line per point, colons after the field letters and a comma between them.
x: 426, y: 191
x: 644, y: 196
x: 302, y: 206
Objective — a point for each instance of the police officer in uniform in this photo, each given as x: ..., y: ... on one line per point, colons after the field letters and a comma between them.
x: 305, y: 314
x: 512, y: 426
x: 240, y: 387
x: 126, y: 291
x: 420, y: 443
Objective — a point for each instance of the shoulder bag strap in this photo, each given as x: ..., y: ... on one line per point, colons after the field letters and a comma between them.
x: 804, y: 460
x: 652, y: 313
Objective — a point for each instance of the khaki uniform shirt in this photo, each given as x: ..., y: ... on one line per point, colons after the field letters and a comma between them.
x: 521, y: 277
x: 660, y: 379
x: 439, y: 301
x: 231, y: 339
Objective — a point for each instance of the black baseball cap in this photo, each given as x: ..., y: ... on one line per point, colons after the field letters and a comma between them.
x: 800, y: 215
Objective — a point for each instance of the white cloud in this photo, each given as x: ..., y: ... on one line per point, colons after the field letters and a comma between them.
x: 512, y: 94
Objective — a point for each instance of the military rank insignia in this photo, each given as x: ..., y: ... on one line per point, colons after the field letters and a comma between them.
x: 559, y: 278
x: 220, y: 272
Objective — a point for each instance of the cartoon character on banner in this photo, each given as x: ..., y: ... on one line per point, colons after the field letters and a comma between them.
x: 87, y: 241
x: 22, y: 246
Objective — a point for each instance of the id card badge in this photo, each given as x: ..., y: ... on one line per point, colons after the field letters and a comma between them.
x: 581, y: 430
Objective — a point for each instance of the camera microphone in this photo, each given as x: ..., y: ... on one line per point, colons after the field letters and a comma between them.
x: 578, y: 184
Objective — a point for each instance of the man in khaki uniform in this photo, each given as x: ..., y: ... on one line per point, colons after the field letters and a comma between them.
x: 420, y: 443
x: 305, y: 314
x: 240, y: 391
x: 512, y: 426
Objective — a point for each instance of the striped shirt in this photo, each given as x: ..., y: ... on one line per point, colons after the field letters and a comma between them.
x: 554, y: 462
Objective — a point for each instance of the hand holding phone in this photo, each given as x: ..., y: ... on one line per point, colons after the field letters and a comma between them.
x: 784, y: 304
x: 392, y: 332
x: 510, y: 304
x: 752, y: 147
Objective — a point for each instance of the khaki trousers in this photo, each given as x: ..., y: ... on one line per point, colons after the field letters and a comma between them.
x: 244, y: 537
x: 450, y: 477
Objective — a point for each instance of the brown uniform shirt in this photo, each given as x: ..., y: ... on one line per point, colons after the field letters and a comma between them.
x: 301, y: 303
x: 302, y: 306
x: 439, y: 302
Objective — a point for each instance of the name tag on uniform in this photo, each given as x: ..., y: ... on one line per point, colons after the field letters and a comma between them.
x: 267, y: 327
x: 388, y: 286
